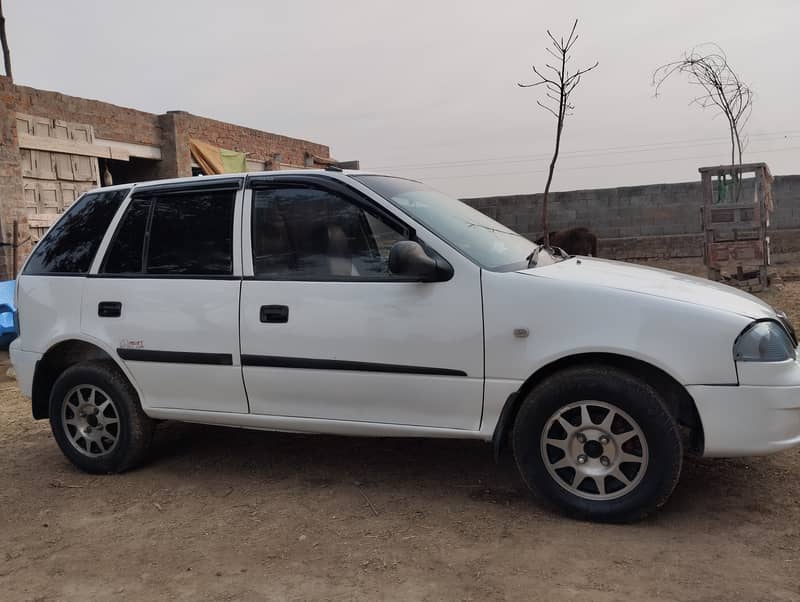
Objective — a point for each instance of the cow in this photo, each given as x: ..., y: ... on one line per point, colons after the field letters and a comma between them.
x: 575, y: 241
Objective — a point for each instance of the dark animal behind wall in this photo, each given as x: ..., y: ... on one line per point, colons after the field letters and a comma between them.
x: 575, y: 241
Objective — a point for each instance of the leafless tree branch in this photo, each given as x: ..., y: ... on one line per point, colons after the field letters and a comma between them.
x: 707, y: 66
x: 4, y: 44
x: 557, y: 99
x: 546, y: 108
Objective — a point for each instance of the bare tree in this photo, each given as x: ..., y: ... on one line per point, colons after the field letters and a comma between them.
x: 4, y: 43
x: 707, y: 67
x: 559, y: 88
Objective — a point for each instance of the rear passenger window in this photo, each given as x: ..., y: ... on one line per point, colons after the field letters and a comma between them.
x: 192, y: 234
x: 188, y: 234
x: 70, y: 245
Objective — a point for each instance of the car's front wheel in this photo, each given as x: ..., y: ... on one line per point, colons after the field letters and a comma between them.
x: 97, y: 420
x: 598, y: 443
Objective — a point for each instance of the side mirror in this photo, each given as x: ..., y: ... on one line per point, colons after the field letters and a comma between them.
x: 408, y: 258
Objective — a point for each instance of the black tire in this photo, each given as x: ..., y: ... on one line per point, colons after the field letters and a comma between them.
x: 646, y: 486
x: 131, y: 433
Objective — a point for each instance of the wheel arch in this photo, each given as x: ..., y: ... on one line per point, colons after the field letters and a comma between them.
x: 679, y: 402
x: 56, y: 359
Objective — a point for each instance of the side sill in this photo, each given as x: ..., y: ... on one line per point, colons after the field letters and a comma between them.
x: 310, y: 425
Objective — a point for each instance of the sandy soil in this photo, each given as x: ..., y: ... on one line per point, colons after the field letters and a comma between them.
x: 235, y: 515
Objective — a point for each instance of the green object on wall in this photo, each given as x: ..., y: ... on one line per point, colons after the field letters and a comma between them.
x: 232, y: 161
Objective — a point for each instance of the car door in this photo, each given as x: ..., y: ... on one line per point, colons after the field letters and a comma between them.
x: 165, y: 295
x: 328, y: 333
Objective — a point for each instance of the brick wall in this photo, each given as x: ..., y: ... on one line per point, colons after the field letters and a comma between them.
x: 176, y: 160
x: 130, y: 125
x: 658, y: 220
x: 11, y: 199
x: 260, y: 146
x: 170, y: 132
x: 110, y: 121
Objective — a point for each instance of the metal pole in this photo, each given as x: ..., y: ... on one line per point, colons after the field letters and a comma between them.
x: 14, y: 241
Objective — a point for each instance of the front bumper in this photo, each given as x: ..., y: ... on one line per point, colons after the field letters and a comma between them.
x: 748, y: 420
x: 24, y: 363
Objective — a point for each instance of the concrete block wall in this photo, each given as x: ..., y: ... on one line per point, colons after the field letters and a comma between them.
x: 652, y: 221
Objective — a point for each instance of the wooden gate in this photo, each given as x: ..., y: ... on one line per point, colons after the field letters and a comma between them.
x: 52, y: 180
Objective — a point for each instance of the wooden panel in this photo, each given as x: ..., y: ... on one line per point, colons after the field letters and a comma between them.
x: 42, y: 127
x: 82, y: 168
x: 31, y: 197
x: 747, y: 233
x: 72, y: 147
x: 24, y: 124
x: 68, y: 194
x: 723, y: 235
x: 60, y: 130
x: 743, y: 168
x: 722, y: 216
x: 36, y: 233
x: 42, y: 220
x: 42, y: 161
x: 54, y: 155
x: 81, y: 187
x: 736, y: 251
x: 64, y: 169
x: 26, y: 161
x: 144, y: 151
x: 49, y: 197
x: 81, y: 133
x: 43, y: 165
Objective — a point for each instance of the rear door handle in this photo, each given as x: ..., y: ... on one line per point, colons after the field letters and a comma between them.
x: 274, y: 314
x: 109, y: 309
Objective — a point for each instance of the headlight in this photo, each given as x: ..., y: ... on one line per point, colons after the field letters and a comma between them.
x: 765, y: 341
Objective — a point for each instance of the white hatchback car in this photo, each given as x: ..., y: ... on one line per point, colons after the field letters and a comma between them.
x: 361, y: 304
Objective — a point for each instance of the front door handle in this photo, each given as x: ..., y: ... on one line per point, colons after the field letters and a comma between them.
x: 109, y: 309
x: 274, y: 314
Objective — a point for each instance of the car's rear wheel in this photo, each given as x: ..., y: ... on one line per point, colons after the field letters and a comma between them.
x: 598, y: 443
x: 97, y: 420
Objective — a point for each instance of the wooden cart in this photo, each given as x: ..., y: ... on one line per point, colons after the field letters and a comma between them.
x: 736, y: 211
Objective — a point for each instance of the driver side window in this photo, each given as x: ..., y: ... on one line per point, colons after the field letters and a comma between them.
x: 302, y: 233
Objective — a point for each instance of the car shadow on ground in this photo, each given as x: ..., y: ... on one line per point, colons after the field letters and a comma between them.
x: 435, y: 467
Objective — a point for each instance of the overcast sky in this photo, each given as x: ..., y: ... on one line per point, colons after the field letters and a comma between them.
x: 428, y: 89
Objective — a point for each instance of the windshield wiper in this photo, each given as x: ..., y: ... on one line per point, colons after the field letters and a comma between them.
x: 490, y: 229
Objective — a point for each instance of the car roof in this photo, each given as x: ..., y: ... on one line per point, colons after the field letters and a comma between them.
x: 224, y: 176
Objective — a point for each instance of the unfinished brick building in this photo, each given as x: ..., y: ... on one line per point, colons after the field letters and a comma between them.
x: 53, y: 147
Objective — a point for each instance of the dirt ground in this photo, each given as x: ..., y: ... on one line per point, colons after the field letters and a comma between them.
x: 237, y: 515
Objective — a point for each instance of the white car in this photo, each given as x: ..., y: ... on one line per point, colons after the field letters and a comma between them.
x: 360, y: 304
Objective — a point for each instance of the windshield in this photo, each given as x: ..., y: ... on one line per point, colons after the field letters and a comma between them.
x: 485, y: 241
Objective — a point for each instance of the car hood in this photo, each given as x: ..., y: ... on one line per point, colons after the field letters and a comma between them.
x: 654, y: 282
